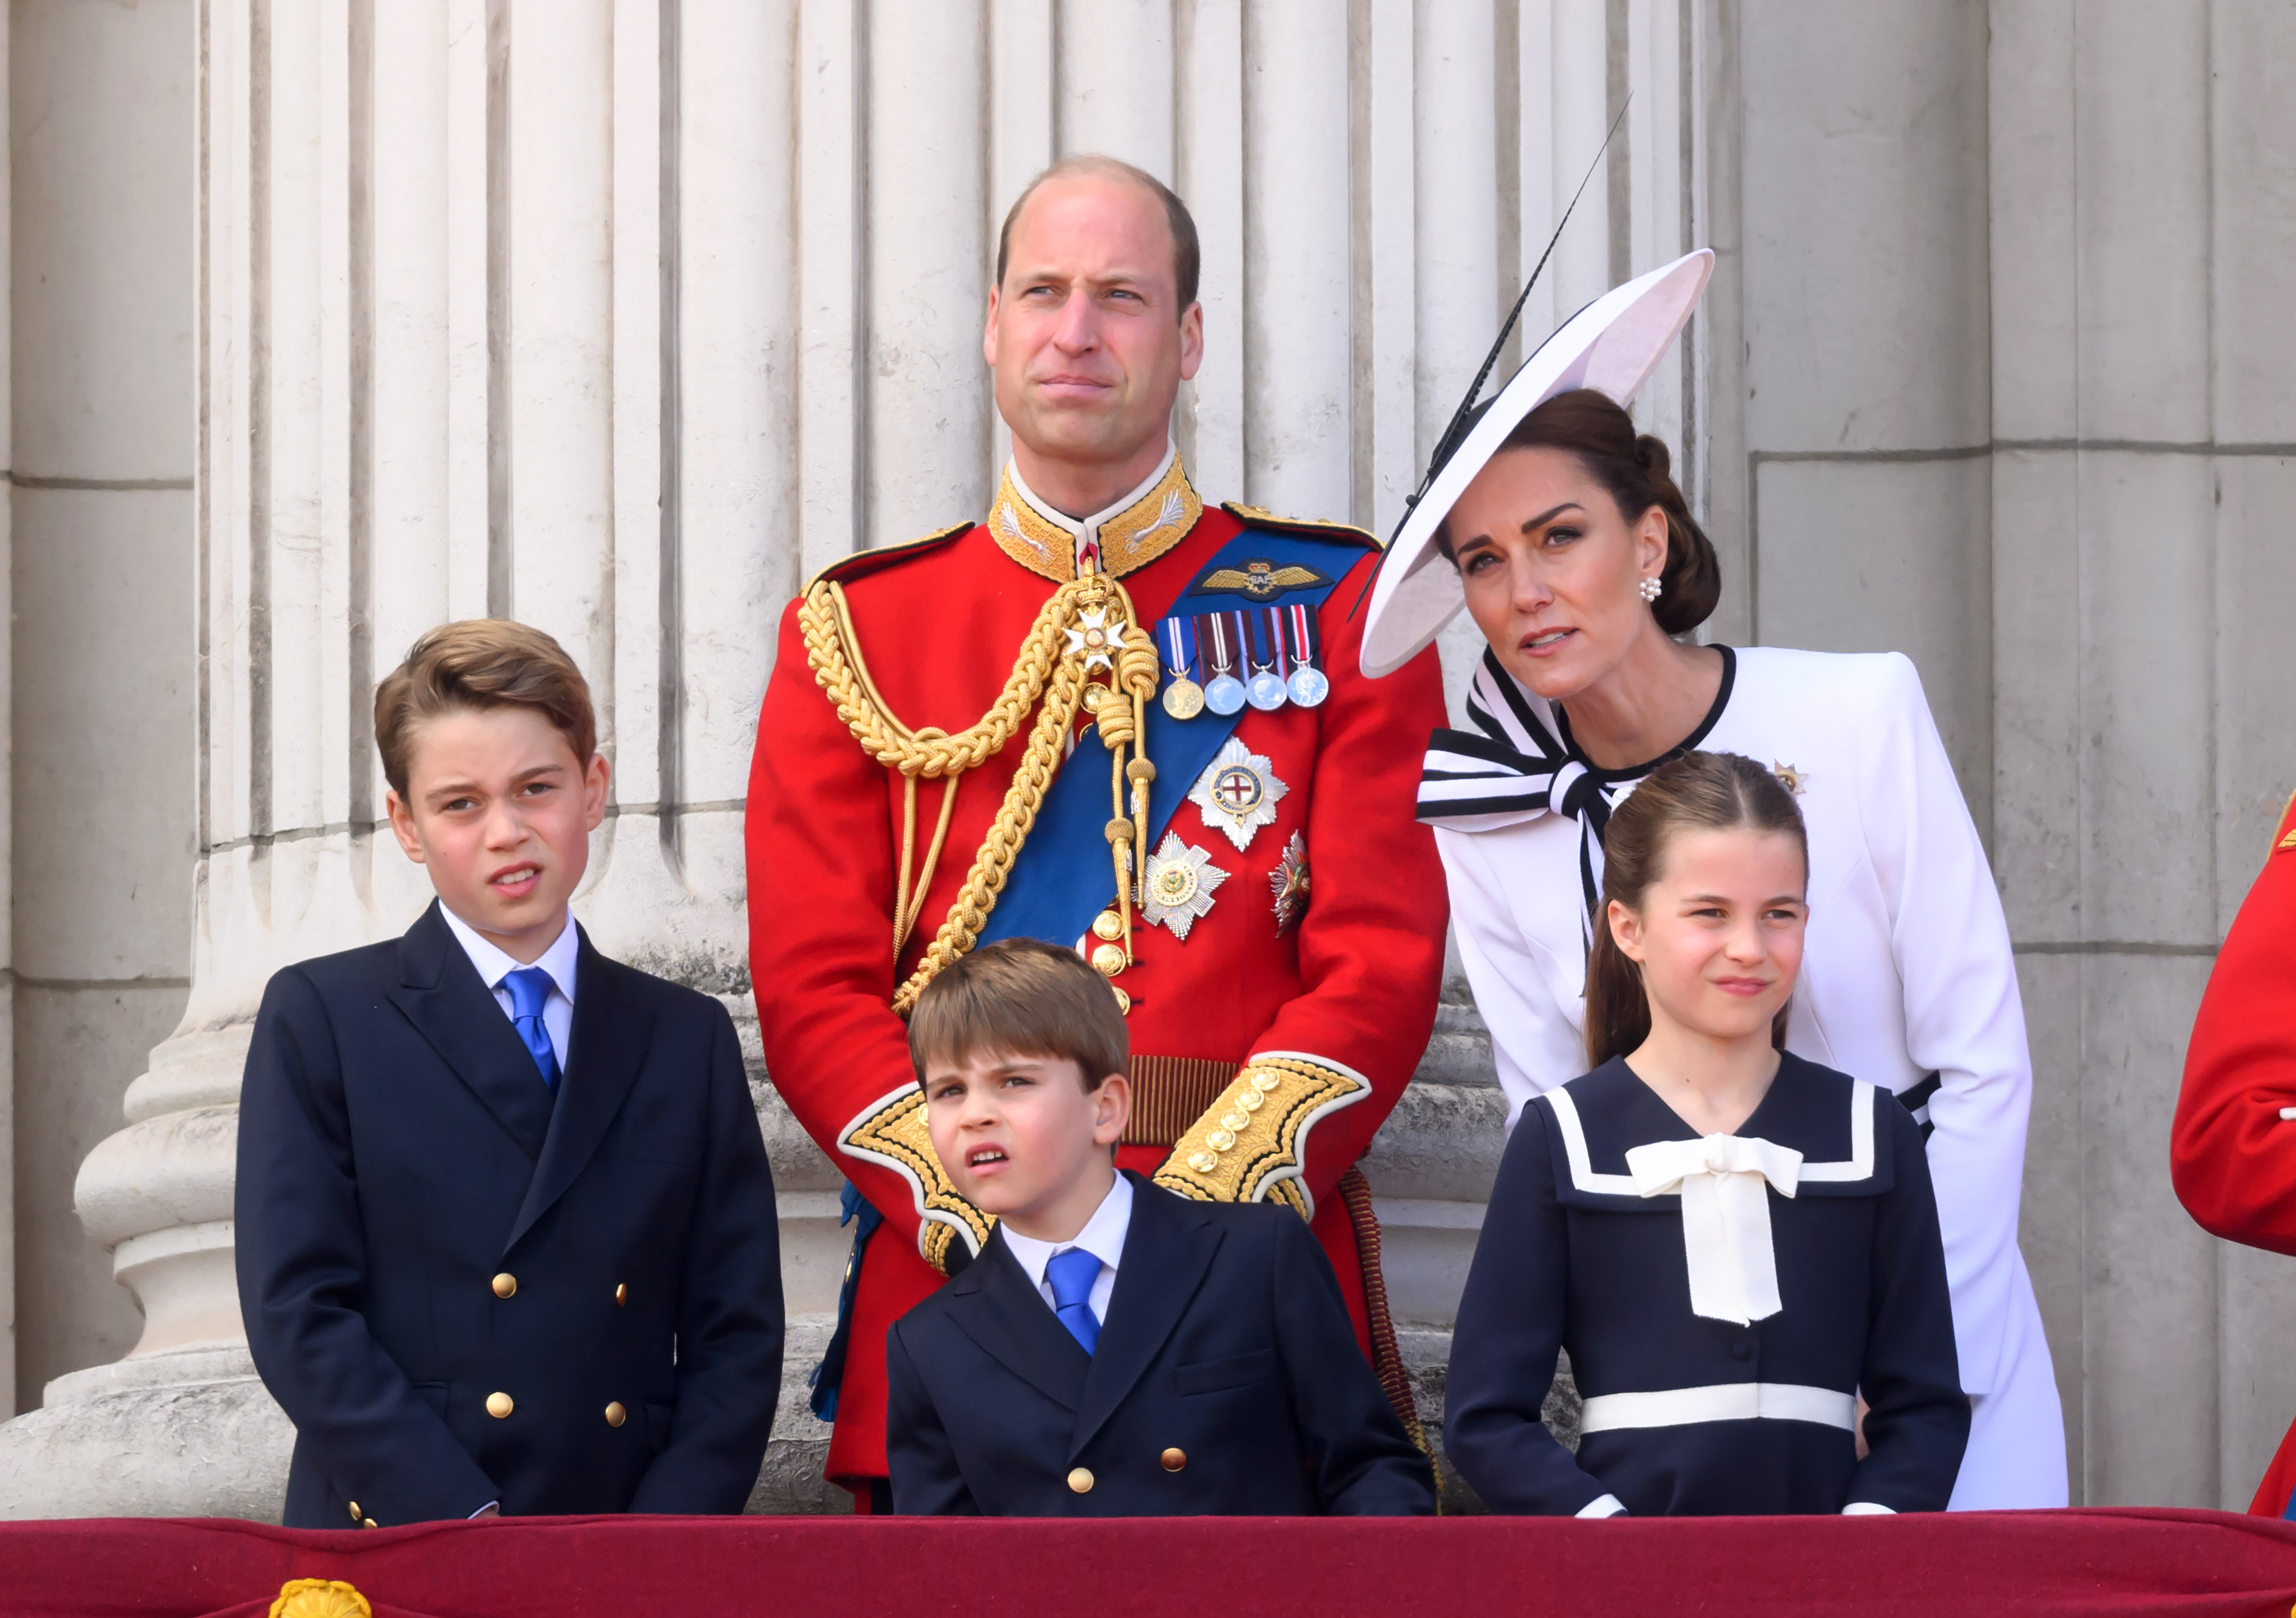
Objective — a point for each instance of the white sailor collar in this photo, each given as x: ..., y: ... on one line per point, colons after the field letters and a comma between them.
x: 1831, y: 1120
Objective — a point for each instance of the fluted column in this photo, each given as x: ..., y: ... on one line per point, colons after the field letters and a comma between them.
x: 621, y: 317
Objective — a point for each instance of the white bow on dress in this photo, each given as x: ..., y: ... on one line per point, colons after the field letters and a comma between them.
x: 1724, y: 1181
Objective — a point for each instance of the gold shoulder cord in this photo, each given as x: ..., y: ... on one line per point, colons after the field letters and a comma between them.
x: 1089, y: 622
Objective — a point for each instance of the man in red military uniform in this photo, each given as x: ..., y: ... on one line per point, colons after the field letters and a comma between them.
x: 2232, y: 1151
x: 1111, y: 716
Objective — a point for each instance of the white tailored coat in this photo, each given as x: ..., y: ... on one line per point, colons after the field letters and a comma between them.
x: 1907, y: 973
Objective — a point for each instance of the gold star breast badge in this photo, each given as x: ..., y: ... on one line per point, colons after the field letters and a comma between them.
x: 1178, y: 890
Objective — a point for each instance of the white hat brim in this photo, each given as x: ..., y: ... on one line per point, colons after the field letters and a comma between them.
x: 1614, y: 344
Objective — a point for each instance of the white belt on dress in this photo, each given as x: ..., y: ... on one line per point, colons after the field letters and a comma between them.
x: 1724, y: 1401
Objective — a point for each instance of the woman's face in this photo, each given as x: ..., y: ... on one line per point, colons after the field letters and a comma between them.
x: 1551, y: 568
x: 1718, y: 935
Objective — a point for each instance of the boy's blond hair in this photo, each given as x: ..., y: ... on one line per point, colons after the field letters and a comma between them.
x: 1019, y: 997
x: 480, y: 663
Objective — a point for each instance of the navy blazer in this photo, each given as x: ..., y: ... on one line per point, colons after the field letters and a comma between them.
x: 1570, y: 1257
x: 402, y: 1167
x: 1227, y: 1382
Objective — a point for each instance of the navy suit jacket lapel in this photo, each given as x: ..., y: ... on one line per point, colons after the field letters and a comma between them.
x: 1167, y: 1249
x: 1013, y: 1325
x: 608, y: 1038
x: 442, y: 993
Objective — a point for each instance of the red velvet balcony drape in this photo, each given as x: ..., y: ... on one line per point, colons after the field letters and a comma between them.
x: 2031, y: 1565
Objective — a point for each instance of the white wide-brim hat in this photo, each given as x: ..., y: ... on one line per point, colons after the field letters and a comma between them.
x: 1614, y: 344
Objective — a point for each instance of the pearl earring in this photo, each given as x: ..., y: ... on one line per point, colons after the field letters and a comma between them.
x: 1649, y: 587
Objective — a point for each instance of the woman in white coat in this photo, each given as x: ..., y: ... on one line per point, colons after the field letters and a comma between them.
x: 1560, y: 530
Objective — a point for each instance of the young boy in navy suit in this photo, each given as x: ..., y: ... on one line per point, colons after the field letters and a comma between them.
x: 505, y: 1228
x: 1115, y: 1349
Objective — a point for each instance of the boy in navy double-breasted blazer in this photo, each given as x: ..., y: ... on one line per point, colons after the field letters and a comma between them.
x: 505, y: 1225
x: 1115, y: 1349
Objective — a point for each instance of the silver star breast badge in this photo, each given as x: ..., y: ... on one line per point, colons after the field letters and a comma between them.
x: 1178, y: 888
x: 1238, y: 792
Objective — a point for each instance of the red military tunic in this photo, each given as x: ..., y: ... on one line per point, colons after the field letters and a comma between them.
x: 2232, y: 1153
x: 1343, y: 997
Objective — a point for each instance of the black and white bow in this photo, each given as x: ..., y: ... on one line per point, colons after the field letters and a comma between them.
x: 1514, y: 767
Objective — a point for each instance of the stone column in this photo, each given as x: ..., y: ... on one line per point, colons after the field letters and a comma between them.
x: 2011, y: 398
x: 100, y: 621
x: 620, y: 316
x: 2144, y: 462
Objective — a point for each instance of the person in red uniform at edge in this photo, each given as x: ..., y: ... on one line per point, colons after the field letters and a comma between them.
x: 971, y: 736
x: 2232, y: 1152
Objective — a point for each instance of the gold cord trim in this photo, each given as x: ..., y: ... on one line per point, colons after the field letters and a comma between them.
x: 1087, y: 622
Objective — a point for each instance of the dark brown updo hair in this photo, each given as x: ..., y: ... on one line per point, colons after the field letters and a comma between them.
x: 1709, y: 792
x: 1639, y: 473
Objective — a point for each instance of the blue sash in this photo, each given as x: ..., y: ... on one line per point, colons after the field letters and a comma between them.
x: 1063, y: 876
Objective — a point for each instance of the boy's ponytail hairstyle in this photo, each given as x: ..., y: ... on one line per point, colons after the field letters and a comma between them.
x: 1696, y: 792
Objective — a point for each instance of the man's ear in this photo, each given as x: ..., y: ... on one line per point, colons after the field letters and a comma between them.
x: 1192, y: 341
x: 988, y: 332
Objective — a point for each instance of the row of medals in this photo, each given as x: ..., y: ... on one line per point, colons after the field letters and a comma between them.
x: 1224, y: 693
x: 1184, y: 699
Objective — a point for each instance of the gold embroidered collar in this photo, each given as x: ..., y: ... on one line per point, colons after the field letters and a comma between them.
x: 1131, y: 533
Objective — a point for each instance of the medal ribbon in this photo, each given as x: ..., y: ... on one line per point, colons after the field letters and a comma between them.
x: 1223, y: 660
x: 1306, y: 634
x: 1263, y: 655
x: 1180, y: 644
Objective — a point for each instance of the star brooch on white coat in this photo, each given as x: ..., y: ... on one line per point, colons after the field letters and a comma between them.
x: 1179, y: 886
x: 1098, y: 639
x: 1238, y: 792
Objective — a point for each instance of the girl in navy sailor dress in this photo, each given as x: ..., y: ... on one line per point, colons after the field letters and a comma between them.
x: 1735, y: 1245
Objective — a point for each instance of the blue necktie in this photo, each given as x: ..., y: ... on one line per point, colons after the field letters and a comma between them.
x: 1072, y: 1275
x: 529, y: 991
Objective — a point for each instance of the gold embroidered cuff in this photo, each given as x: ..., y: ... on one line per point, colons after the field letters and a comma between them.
x: 1251, y: 1145
x: 891, y: 1133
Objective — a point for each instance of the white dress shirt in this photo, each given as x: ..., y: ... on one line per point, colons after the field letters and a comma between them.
x: 1103, y: 1236
x: 558, y: 961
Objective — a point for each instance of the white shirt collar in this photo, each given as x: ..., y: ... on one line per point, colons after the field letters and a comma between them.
x: 1086, y: 531
x: 494, y: 966
x: 1103, y: 1235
